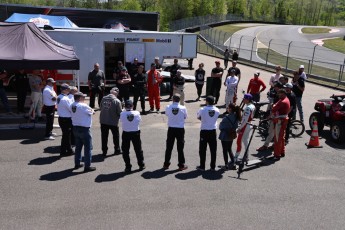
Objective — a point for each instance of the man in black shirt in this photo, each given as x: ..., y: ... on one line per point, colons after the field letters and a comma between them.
x: 123, y: 82
x: 199, y: 79
x: 21, y: 81
x: 298, y: 89
x: 173, y: 73
x: 96, y: 82
x: 179, y: 86
x: 139, y: 81
x: 217, y: 74
x: 134, y: 67
x: 237, y: 71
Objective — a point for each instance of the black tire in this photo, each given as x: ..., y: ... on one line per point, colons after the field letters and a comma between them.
x: 338, y: 132
x: 263, y: 128
x: 297, y: 128
x: 316, y: 116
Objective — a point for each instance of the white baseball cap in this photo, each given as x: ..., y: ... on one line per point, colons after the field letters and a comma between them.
x: 301, y: 66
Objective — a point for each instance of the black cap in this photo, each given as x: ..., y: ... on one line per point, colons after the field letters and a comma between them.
x: 64, y: 86
x: 128, y: 103
x: 210, y: 100
x: 153, y: 64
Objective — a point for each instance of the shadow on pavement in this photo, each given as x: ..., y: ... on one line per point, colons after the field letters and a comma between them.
x: 190, y: 101
x: 52, y: 149
x: 27, y: 136
x: 55, y: 176
x: 97, y: 158
x: 113, y: 176
x: 159, y: 173
x: 44, y: 160
x: 213, y: 175
x: 189, y: 175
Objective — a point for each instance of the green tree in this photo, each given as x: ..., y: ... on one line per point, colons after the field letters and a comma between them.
x: 129, y: 5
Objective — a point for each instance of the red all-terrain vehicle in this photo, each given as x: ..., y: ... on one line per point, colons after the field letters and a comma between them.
x: 331, y: 112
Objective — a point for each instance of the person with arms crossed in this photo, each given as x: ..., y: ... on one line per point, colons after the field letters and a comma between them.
x: 130, y: 120
x: 216, y: 74
x: 109, y: 119
x: 49, y: 101
x: 139, y: 81
x: 298, y: 84
x: 64, y: 111
x: 179, y: 82
x: 173, y: 74
x: 208, y: 133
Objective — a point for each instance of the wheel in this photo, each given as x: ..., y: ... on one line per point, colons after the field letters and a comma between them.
x: 316, y: 116
x: 263, y: 128
x: 297, y: 128
x: 338, y: 132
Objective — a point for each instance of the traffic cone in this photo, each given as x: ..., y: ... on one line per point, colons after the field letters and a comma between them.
x: 314, y: 137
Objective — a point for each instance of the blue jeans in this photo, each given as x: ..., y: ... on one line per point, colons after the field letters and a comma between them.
x: 299, y: 107
x: 4, y: 100
x: 82, y: 137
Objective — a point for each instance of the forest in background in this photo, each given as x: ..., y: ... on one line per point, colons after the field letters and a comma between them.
x: 301, y: 12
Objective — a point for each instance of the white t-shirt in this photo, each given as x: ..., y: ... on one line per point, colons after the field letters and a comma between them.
x: 274, y: 77
x: 130, y: 120
x: 48, y: 95
x: 81, y: 114
x: 231, y: 83
x: 64, y: 106
x: 176, y: 115
x: 209, y: 115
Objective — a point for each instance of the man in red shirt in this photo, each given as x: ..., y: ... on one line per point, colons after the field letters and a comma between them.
x: 254, y: 86
x: 280, y: 111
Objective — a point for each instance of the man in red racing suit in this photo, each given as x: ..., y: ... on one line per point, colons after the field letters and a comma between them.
x: 153, y: 81
x: 280, y: 112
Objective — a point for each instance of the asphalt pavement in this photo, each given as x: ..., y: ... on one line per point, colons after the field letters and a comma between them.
x: 304, y: 190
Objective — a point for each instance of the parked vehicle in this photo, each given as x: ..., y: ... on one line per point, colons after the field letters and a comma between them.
x: 331, y: 113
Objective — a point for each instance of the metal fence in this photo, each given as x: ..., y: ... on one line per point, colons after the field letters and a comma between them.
x: 211, y: 19
x: 318, y: 60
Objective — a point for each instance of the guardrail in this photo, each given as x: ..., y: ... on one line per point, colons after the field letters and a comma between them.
x: 320, y: 63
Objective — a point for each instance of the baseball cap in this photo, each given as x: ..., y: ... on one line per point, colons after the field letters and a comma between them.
x: 210, y: 100
x: 153, y: 64
x: 123, y: 69
x: 257, y: 73
x: 135, y: 59
x: 128, y: 103
x: 64, y: 86
x: 301, y: 66
x: 288, y: 85
x: 248, y: 96
x: 51, y: 80
x: 233, y: 61
x: 156, y: 58
x: 217, y: 62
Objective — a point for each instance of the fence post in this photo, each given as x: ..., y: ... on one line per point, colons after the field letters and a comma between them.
x: 287, y: 57
x: 308, y: 66
x: 239, y: 46
x: 219, y: 36
x: 342, y: 71
x: 223, y: 43
x: 251, y: 52
x: 339, y: 75
x: 268, y: 50
x: 230, y: 43
x: 312, y: 59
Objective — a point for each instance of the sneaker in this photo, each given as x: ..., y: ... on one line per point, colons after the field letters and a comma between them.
x: 117, y: 152
x: 276, y: 158
x: 282, y: 155
x: 212, y: 169
x: 89, y: 169
x: 262, y: 148
x: 224, y: 167
x: 142, y: 167
x: 50, y: 138
x: 54, y: 134
x: 157, y: 111
x: 143, y: 112
x: 104, y: 154
x: 200, y: 168
x: 184, y: 167
x: 78, y: 166
x: 231, y: 167
x: 151, y: 110
x: 128, y: 170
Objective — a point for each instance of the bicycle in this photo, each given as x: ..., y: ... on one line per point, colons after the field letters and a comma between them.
x: 297, y: 127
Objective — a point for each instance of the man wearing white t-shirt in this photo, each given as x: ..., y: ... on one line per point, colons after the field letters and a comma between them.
x: 231, y: 83
x: 130, y: 120
x: 82, y: 122
x: 49, y: 101
x: 177, y: 115
x: 208, y: 135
